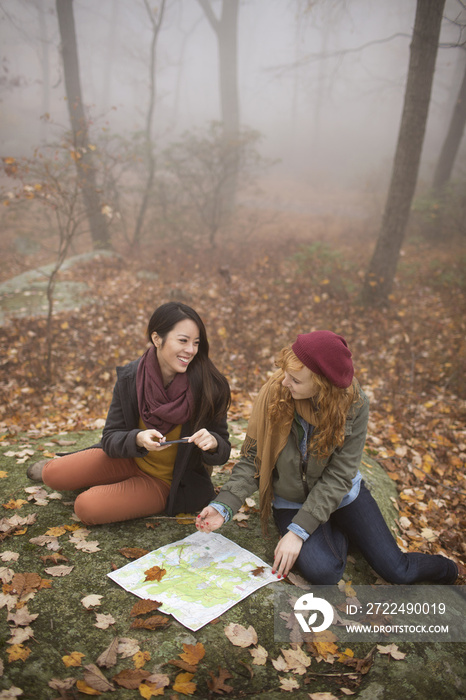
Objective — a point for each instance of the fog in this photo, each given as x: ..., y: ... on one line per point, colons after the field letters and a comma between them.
x: 324, y: 86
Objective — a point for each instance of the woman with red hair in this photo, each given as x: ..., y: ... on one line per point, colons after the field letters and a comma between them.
x: 302, y: 450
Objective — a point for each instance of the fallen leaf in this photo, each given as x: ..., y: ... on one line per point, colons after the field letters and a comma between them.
x: 91, y: 601
x: 88, y: 547
x: 17, y: 652
x: 22, y: 584
x: 183, y: 684
x: 127, y: 647
x: 288, y: 684
x: 94, y: 678
x: 148, y: 690
x: 131, y: 678
x: 11, y: 693
x: 108, y: 658
x: 86, y: 689
x: 217, y: 684
x: 55, y: 558
x: 61, y: 683
x: 59, y: 570
x: 259, y: 655
x: 133, y: 552
x: 296, y: 660
x: 104, y: 621
x: 73, y: 659
x: 280, y: 664
x: 155, y: 573
x: 141, y: 658
x: 20, y: 635
x: 257, y: 572
x: 193, y: 653
x: 322, y: 696
x: 240, y: 636
x: 55, y: 531
x: 151, y: 623
x: 391, y: 650
x: 144, y: 606
x: 12, y: 504
x: 185, y: 519
x: 9, y: 556
x: 22, y: 617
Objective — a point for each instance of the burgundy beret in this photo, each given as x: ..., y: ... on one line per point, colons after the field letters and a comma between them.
x: 326, y: 353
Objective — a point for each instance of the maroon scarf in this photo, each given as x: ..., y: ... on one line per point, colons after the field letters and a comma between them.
x: 161, y: 408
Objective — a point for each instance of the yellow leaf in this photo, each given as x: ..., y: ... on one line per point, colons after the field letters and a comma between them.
x: 74, y: 659
x: 3, y: 475
x: 185, y: 518
x: 140, y: 658
x: 427, y: 463
x: 12, y: 504
x: 65, y: 325
x: 18, y: 652
x: 148, y: 690
x: 86, y: 689
x: 55, y: 531
x: 91, y: 146
x: 222, y: 332
x: 183, y: 684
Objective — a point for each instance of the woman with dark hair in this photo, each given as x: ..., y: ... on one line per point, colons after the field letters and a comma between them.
x: 302, y: 450
x: 166, y: 428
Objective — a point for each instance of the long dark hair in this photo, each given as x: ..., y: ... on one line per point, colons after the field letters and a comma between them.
x: 210, y: 389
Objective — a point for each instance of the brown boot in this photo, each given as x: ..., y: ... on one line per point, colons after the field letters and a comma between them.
x: 34, y: 472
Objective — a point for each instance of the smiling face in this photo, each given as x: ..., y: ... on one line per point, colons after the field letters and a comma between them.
x: 177, y: 349
x: 300, y: 382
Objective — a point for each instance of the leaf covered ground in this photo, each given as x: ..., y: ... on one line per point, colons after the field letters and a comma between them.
x: 255, y: 295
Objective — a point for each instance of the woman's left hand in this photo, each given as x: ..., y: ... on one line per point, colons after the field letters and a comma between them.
x: 286, y: 553
x: 204, y: 440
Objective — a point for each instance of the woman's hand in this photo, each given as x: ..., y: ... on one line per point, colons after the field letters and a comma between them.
x: 286, y: 553
x: 151, y: 440
x: 204, y: 440
x: 209, y: 519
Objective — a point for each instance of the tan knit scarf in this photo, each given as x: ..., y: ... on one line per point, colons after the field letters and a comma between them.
x: 269, y: 440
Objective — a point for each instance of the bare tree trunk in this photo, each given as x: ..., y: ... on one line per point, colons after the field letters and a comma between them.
x: 381, y: 272
x: 226, y: 29
x: 45, y: 65
x: 83, y: 155
x: 452, y: 141
x: 149, y: 147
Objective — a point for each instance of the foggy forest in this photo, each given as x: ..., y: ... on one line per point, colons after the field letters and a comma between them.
x: 281, y: 166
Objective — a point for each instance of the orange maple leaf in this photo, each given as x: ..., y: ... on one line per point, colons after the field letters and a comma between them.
x: 154, y: 574
x: 193, y: 653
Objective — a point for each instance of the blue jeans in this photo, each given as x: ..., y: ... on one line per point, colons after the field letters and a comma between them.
x: 322, y: 559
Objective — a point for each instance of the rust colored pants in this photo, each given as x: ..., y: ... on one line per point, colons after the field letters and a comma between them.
x: 116, y: 488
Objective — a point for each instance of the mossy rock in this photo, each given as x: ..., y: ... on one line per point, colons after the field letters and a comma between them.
x: 64, y: 626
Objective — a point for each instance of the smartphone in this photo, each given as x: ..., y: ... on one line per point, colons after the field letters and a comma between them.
x: 173, y: 442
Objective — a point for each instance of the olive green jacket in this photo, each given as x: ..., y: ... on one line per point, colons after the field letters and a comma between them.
x: 319, y: 485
